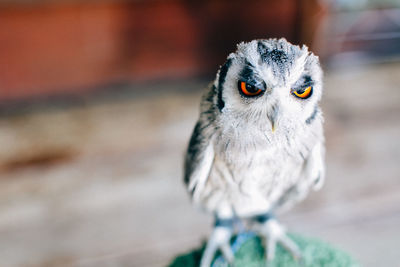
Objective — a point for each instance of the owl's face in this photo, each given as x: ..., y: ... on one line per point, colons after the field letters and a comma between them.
x: 270, y: 78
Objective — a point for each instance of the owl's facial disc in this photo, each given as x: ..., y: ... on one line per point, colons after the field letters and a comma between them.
x: 269, y: 81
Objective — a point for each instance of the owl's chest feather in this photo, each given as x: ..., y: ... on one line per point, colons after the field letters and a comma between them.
x: 257, y: 157
x: 246, y: 144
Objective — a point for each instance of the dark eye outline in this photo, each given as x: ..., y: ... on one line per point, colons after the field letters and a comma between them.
x: 249, y: 90
x: 303, y: 93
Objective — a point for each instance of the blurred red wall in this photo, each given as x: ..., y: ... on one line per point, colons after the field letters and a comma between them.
x: 62, y: 47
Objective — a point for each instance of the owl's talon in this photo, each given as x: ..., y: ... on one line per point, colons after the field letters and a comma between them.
x: 219, y: 239
x: 274, y: 233
x: 290, y: 246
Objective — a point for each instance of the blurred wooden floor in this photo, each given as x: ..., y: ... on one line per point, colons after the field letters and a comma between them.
x: 116, y: 199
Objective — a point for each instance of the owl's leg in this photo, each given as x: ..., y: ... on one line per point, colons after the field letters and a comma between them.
x: 274, y: 233
x: 219, y: 239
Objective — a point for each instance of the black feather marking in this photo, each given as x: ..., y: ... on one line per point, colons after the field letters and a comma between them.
x: 261, y: 48
x: 304, y: 82
x: 204, y: 126
x: 276, y: 57
x: 222, y: 75
x: 210, y: 96
x: 194, y: 153
x: 318, y: 178
x: 247, y: 75
x: 227, y: 144
x: 200, y: 138
x: 313, y: 115
x: 308, y: 81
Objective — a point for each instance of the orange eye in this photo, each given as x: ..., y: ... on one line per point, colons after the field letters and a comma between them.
x: 248, y: 89
x: 303, y: 93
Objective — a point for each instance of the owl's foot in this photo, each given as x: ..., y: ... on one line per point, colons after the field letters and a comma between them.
x: 219, y: 239
x: 275, y: 233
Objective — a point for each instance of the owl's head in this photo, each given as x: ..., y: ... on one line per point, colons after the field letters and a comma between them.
x: 270, y: 77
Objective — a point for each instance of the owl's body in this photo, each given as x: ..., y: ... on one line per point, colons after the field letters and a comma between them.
x: 258, y: 144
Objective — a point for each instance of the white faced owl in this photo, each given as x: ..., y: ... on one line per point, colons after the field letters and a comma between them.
x: 258, y: 145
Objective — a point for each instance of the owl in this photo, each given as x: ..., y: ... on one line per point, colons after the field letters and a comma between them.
x: 258, y: 145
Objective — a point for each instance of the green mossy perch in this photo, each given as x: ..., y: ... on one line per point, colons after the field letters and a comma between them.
x: 251, y: 254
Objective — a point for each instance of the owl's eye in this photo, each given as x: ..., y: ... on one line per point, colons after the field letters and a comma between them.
x: 303, y: 93
x: 248, y: 89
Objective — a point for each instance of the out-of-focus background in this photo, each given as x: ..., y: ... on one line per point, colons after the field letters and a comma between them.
x: 98, y: 100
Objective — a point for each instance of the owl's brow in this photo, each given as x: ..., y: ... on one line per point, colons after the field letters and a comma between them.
x: 304, y: 81
x: 247, y: 72
x: 308, y: 81
x: 248, y: 75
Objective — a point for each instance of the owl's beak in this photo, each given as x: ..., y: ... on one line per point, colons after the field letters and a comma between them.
x: 273, y: 117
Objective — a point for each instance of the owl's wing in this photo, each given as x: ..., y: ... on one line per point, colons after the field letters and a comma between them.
x: 200, y: 153
x: 198, y: 161
x: 313, y: 177
x: 315, y: 168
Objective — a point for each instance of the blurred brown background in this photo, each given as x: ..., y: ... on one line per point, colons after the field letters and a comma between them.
x: 70, y: 46
x: 98, y: 100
